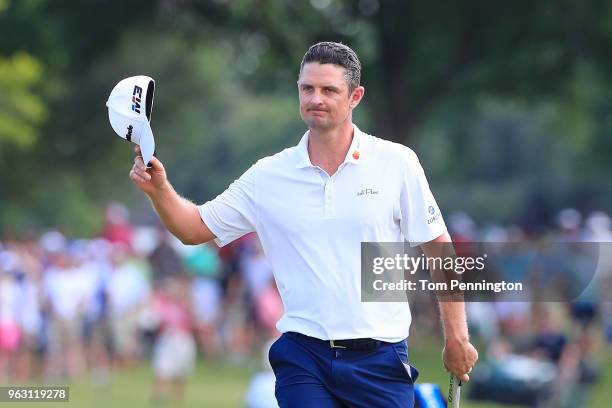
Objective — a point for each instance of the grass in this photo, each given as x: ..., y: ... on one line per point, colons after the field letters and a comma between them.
x: 220, y: 385
x: 212, y: 385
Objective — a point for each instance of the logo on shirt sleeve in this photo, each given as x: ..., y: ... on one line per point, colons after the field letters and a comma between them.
x: 434, y: 215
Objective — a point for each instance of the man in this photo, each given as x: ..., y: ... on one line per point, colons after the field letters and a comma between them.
x: 312, y: 205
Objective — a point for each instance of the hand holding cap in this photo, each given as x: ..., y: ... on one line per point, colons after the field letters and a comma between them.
x: 129, y: 110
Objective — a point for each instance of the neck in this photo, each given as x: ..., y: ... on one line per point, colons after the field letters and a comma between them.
x: 328, y: 148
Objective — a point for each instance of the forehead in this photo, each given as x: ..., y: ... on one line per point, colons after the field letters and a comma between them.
x: 314, y: 73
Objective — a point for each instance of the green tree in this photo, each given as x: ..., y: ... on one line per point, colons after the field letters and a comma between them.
x: 21, y: 110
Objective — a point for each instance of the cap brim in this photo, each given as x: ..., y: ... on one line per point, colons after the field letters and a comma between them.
x: 147, y: 143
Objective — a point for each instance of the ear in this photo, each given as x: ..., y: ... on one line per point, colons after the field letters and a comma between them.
x: 356, y: 96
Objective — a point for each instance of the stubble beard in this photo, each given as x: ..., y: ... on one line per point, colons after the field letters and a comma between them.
x: 318, y: 123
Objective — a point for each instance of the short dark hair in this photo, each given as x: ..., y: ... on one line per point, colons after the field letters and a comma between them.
x: 338, y: 54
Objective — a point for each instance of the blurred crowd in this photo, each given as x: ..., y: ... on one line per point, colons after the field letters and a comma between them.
x: 70, y: 307
x: 543, y: 347
x: 75, y: 306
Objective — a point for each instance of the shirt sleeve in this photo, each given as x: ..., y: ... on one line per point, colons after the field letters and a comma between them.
x: 232, y: 214
x: 421, y: 219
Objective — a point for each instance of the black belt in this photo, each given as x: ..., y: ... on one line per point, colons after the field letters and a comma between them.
x: 352, y: 344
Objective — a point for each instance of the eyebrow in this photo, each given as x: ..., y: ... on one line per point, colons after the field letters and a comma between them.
x: 306, y: 84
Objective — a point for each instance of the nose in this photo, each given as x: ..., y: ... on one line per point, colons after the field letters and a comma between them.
x: 315, y: 98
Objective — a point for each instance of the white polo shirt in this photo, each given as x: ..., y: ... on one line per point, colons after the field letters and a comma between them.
x: 311, y: 226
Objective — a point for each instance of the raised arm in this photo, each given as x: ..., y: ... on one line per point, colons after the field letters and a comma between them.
x: 179, y: 215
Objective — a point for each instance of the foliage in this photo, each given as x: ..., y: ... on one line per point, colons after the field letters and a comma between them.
x: 22, y: 110
x: 506, y: 103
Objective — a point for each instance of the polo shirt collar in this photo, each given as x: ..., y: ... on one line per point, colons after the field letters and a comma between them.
x: 353, y: 155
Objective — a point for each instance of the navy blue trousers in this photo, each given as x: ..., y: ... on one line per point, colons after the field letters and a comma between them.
x: 309, y: 373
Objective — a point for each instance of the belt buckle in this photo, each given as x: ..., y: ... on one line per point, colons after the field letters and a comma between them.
x: 333, y: 345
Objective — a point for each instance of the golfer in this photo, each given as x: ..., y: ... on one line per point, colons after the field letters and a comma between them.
x: 312, y: 205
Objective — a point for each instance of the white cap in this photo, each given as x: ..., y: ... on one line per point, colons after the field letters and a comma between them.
x: 129, y: 111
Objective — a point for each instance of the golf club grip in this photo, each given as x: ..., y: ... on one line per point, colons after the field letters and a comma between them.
x: 454, y: 392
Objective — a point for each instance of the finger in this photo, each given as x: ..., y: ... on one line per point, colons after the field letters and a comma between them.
x: 464, y: 378
x: 143, y: 176
x: 133, y: 174
x: 137, y: 178
x: 137, y: 150
x: 138, y: 162
x: 155, y: 164
x: 141, y: 172
x: 139, y: 168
